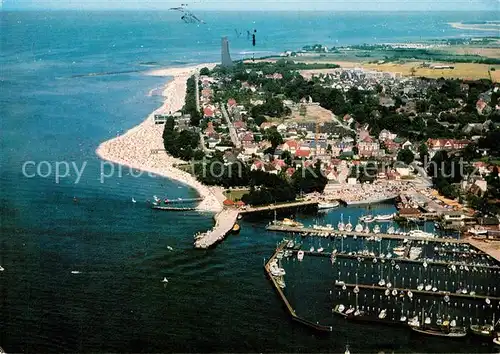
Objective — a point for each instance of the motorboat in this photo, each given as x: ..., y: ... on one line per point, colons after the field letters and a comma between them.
x: 289, y: 222
x: 390, y: 230
x: 319, y: 250
x: 280, y: 282
x: 350, y: 310
x: 339, y: 310
x: 367, y: 229
x: 420, y: 287
x: 381, y: 282
x: 358, y: 228
x: 235, y: 229
x: 496, y: 341
x: 367, y: 218
x: 75, y: 272
x: 300, y: 255
x: 327, y: 227
x: 311, y: 249
x: 170, y: 248
x: 376, y: 229
x: 133, y: 200
x: 484, y: 331
x: 384, y: 218
x: 420, y: 233
x: 325, y: 205
x: 165, y: 280
x: 2, y: 269
x: 399, y: 251
x: 439, y: 332
x: 478, y: 230
x: 428, y: 287
x: 382, y: 314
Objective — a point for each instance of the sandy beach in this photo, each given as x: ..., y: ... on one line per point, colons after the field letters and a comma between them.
x: 134, y: 148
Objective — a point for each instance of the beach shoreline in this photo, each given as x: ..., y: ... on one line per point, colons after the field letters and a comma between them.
x: 141, y: 147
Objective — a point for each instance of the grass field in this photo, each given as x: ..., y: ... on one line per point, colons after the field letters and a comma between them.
x: 466, y: 71
x: 235, y: 195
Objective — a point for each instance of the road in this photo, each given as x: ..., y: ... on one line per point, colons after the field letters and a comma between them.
x: 232, y: 131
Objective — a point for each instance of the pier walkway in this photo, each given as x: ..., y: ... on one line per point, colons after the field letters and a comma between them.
x: 224, y: 222
x: 249, y: 210
x: 167, y: 208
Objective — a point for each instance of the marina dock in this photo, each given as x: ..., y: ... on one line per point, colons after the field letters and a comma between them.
x: 166, y: 208
x: 315, y: 232
x: 289, y: 307
x: 423, y: 292
x: 224, y: 222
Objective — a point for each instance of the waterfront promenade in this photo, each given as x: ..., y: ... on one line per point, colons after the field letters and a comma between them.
x: 224, y: 222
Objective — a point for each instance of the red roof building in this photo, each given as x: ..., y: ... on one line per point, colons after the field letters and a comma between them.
x: 208, y: 112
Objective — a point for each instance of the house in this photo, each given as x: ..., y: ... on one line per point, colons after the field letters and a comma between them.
x: 281, y: 128
x: 318, y: 147
x: 210, y: 130
x: 240, y: 125
x: 257, y: 165
x: 386, y: 135
x: 247, y: 139
x: 291, y: 145
x: 363, y: 133
x: 368, y: 147
x: 208, y: 112
x: 302, y: 152
x: 290, y: 171
x: 446, y: 144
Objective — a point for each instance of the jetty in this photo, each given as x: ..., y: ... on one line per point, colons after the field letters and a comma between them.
x: 315, y: 232
x: 248, y: 210
x: 415, y: 291
x: 224, y: 222
x: 291, y: 311
x: 167, y: 208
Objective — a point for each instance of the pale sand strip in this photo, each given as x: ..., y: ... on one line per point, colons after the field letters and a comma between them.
x: 134, y: 148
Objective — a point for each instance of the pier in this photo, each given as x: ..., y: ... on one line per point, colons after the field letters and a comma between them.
x: 415, y: 291
x: 316, y: 232
x: 166, y: 208
x: 272, y: 207
x: 291, y: 311
x: 224, y: 222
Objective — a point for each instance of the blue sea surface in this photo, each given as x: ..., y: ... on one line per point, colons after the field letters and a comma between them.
x: 71, y: 80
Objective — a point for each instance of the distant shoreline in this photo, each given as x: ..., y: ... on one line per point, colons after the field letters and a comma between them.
x: 495, y: 26
x: 134, y: 148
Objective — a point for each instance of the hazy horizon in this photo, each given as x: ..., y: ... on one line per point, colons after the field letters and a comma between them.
x: 276, y: 5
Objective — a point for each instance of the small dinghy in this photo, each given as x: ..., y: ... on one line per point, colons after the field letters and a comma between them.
x: 165, y: 280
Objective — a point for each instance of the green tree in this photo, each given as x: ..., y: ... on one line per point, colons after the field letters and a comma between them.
x: 205, y: 71
x: 273, y: 136
x: 406, y: 156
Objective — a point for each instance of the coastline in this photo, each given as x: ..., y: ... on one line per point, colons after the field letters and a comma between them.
x: 134, y: 148
x: 479, y: 27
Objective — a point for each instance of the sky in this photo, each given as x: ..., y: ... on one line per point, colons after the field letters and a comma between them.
x: 318, y: 5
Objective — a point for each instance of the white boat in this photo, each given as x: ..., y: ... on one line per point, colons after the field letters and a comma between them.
x: 348, y: 226
x: 381, y: 282
x: 427, y: 321
x: 347, y: 351
x: 165, y: 280
x: 156, y: 199
x: 414, y: 322
x: 399, y: 251
x: 420, y: 233
x: 382, y: 314
x: 402, y: 318
x: 391, y: 230
x: 300, y: 255
x: 75, y: 272
x: 2, y: 269
x: 325, y: 205
x: 428, y: 287
x: 170, y: 248
x: 376, y: 229
x: 328, y: 227
x: 384, y: 218
x: 321, y: 249
x: 478, y: 230
x: 420, y: 287
x: 496, y: 341
x: 133, y: 200
x: 367, y: 229
x: 341, y: 225
x: 311, y: 249
x: 367, y: 218
x: 280, y: 282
